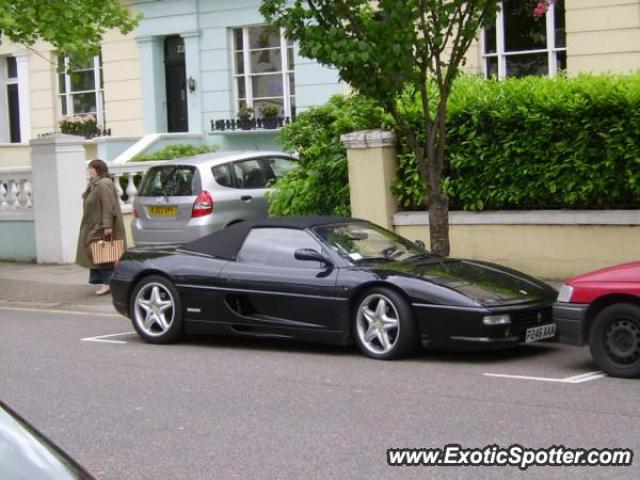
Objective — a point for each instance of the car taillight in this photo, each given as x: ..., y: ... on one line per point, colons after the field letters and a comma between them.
x: 136, y: 213
x: 203, y: 205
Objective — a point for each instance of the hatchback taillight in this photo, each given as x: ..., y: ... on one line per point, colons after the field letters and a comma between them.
x: 203, y: 205
x: 136, y: 213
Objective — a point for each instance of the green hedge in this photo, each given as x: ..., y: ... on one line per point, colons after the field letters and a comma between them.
x: 530, y: 143
x: 537, y: 143
x: 178, y: 150
x: 321, y: 185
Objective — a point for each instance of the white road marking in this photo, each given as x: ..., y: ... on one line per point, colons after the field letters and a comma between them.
x: 100, y: 338
x: 584, y: 377
x: 66, y: 312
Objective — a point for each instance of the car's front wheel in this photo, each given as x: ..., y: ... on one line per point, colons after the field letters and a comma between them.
x: 383, y: 325
x: 615, y: 340
x: 156, y: 310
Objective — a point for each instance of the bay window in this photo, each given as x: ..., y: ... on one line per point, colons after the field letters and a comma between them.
x: 263, y: 70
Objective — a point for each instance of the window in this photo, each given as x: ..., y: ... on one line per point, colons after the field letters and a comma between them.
x: 359, y: 242
x: 249, y: 174
x: 12, y: 100
x: 522, y: 44
x: 276, y: 247
x: 222, y: 175
x: 279, y: 167
x: 263, y: 70
x: 12, y: 68
x: 170, y: 181
x: 81, y: 89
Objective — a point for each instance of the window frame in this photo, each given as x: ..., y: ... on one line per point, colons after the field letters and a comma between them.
x: 98, y: 90
x: 285, y: 73
x: 5, y: 82
x: 501, y: 54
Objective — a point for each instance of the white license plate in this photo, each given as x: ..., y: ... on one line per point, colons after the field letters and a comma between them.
x: 538, y: 333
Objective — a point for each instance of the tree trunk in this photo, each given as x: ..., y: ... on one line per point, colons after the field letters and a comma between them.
x: 438, y: 222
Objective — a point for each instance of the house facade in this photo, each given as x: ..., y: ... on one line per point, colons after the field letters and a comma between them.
x: 192, y: 65
x: 203, y: 61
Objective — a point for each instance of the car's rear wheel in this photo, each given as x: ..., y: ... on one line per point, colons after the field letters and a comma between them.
x: 383, y: 325
x: 615, y: 340
x: 156, y: 310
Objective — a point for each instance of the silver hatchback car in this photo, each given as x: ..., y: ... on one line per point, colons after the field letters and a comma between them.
x: 185, y: 199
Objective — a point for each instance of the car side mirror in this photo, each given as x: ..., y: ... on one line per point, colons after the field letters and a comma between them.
x: 309, y: 254
x: 420, y: 244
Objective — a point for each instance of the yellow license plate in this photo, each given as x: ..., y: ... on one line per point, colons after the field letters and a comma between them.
x: 162, y: 211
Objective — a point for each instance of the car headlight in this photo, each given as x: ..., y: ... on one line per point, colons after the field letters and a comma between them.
x: 565, y: 293
x: 496, y: 319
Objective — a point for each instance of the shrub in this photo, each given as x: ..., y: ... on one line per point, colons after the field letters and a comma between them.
x: 175, y: 151
x: 321, y: 186
x: 536, y: 143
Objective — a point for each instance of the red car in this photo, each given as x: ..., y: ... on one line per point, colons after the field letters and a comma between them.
x: 602, y: 308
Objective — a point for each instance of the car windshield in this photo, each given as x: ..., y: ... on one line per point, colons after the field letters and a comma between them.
x: 362, y: 242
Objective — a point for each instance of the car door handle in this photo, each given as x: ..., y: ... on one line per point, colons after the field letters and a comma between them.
x: 246, y: 198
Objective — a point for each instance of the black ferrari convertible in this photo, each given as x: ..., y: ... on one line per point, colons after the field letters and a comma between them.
x: 328, y: 279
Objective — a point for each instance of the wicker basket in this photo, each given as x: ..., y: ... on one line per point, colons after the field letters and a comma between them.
x: 106, y: 251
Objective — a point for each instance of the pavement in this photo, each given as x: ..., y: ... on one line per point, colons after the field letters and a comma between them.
x: 57, y: 287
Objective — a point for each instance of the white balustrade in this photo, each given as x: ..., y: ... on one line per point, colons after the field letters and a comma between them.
x: 128, y: 172
x: 16, y: 193
x: 16, y: 190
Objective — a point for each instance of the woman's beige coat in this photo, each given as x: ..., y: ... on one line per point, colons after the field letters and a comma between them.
x: 101, y: 210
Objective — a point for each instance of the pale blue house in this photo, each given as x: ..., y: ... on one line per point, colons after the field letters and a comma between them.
x: 203, y: 60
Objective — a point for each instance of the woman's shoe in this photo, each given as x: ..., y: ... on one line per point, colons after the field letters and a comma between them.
x: 103, y: 289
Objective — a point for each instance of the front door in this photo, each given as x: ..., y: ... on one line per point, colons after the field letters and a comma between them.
x: 176, y: 85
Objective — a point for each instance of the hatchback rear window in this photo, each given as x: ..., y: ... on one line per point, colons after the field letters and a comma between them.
x: 169, y: 180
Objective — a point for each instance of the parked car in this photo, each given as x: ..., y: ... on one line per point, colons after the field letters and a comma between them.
x: 25, y: 453
x: 328, y: 279
x: 602, y: 309
x: 186, y: 199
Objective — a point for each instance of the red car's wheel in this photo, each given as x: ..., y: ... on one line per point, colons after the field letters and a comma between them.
x: 615, y: 340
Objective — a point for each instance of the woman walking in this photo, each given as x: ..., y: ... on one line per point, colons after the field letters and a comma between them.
x: 101, y: 220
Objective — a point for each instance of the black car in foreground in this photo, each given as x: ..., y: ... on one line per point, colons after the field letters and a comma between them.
x: 328, y: 279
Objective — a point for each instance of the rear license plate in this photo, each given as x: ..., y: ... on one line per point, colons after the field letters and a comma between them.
x: 538, y: 333
x: 162, y: 211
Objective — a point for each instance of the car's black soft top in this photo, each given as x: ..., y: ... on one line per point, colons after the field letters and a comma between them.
x: 226, y: 243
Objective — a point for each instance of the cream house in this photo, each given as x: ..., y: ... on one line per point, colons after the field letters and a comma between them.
x: 123, y: 86
x: 35, y: 95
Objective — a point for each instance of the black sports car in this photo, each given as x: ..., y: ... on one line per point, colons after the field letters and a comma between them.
x: 327, y: 279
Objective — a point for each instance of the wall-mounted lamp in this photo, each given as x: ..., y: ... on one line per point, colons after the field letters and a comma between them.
x: 191, y: 83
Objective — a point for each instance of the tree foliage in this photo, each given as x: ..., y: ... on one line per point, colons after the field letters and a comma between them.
x: 390, y: 50
x: 537, y: 143
x: 71, y: 26
x: 320, y: 186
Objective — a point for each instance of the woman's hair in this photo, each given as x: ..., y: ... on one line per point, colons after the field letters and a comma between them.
x: 101, y: 167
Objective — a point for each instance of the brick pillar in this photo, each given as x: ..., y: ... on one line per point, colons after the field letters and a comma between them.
x: 372, y: 170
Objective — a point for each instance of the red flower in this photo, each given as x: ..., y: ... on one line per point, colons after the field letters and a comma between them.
x: 542, y: 7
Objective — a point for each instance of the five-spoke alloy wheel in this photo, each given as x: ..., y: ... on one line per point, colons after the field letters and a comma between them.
x: 156, y: 310
x: 383, y: 324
